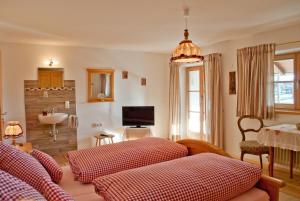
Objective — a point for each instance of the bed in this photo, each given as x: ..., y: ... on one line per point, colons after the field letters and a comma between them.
x: 266, y: 188
x: 86, y: 192
x: 88, y: 164
x: 201, y: 177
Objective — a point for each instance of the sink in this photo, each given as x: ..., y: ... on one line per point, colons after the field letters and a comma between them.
x: 52, y: 118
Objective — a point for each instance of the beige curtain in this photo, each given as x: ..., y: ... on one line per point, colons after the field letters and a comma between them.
x: 255, y: 70
x: 174, y: 102
x: 213, y: 100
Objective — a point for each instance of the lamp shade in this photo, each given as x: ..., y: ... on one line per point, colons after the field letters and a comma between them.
x: 186, y: 51
x: 13, y: 129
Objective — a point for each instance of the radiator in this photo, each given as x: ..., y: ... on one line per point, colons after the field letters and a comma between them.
x: 282, y: 158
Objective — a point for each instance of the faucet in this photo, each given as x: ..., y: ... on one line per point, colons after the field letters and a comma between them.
x: 53, y: 110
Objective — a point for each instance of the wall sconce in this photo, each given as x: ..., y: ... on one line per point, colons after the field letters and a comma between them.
x: 51, y: 62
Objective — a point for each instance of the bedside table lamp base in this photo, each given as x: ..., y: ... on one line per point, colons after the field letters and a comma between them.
x: 13, y: 141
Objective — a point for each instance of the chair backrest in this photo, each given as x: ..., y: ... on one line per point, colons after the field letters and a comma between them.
x: 243, y: 131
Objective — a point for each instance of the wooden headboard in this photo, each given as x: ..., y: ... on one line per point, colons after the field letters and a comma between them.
x: 199, y: 146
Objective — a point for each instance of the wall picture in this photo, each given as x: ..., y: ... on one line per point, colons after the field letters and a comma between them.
x: 143, y: 81
x: 125, y: 75
x: 232, y: 83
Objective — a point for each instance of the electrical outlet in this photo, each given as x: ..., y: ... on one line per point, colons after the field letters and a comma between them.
x: 97, y: 125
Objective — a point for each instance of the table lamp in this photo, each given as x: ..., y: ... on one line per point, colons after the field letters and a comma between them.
x: 13, y: 130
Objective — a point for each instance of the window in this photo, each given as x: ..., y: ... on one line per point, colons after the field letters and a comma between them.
x: 286, y: 81
x: 195, y: 101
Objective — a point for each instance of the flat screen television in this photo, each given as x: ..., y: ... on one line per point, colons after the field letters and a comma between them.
x: 138, y: 116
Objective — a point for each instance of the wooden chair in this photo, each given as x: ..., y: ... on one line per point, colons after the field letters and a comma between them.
x: 251, y: 146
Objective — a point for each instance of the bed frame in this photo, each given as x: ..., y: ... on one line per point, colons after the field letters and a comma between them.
x: 266, y: 183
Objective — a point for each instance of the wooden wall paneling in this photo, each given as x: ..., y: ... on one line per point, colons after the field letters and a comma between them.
x: 38, y: 134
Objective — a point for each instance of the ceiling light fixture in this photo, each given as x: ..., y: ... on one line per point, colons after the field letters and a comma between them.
x: 186, y: 51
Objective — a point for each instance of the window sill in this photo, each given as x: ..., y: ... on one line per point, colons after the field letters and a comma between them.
x: 286, y: 111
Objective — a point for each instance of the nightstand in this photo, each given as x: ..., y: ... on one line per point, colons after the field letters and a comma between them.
x: 136, y: 133
x: 26, y: 147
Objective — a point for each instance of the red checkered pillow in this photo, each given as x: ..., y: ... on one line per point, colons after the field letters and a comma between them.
x: 28, y: 169
x: 55, y: 193
x: 23, y: 166
x: 49, y: 164
x: 201, y: 177
x: 11, y: 188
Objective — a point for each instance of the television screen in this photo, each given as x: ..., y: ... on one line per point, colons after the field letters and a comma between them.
x: 138, y: 116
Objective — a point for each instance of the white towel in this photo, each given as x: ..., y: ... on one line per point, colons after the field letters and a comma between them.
x: 73, y: 121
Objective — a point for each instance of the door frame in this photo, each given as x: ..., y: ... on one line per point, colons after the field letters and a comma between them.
x: 1, y: 101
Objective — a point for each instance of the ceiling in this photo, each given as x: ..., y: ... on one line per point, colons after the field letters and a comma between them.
x: 140, y: 25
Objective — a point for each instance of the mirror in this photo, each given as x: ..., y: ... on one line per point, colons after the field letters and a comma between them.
x: 100, y: 85
x: 51, y: 77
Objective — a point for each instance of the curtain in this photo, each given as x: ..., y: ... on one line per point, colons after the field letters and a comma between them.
x: 174, y: 102
x: 255, y: 94
x: 213, y: 99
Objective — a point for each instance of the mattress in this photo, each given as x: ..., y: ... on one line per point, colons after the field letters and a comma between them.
x: 201, y: 177
x: 86, y: 192
x: 89, y: 164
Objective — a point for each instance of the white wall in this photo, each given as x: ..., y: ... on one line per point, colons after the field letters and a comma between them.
x: 228, y: 49
x: 20, y: 62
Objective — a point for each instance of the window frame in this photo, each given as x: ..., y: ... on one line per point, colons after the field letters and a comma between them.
x: 201, y: 98
x: 284, y: 108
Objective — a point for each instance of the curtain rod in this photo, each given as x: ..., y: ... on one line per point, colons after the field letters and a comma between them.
x: 291, y: 42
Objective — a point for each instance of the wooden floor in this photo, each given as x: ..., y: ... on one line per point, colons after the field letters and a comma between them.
x: 291, y: 191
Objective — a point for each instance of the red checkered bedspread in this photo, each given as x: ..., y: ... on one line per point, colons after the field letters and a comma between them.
x: 89, y: 164
x: 201, y: 177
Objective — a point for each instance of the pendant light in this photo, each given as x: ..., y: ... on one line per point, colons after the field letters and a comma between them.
x: 186, y: 51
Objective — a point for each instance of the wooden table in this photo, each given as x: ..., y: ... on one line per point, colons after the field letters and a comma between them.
x: 26, y: 147
x: 284, y: 136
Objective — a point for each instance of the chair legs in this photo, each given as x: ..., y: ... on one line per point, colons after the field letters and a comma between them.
x: 260, y: 159
x: 261, y: 163
x: 242, y: 156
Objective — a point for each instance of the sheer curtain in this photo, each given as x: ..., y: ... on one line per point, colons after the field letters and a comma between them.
x: 213, y: 99
x: 174, y: 102
x: 255, y: 70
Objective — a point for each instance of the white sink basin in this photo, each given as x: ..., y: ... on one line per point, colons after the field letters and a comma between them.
x: 53, y: 119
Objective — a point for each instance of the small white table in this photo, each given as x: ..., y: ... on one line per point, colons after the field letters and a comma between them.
x: 284, y: 136
x: 136, y: 133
